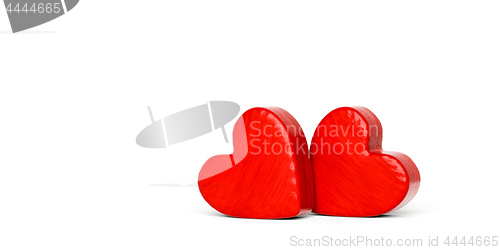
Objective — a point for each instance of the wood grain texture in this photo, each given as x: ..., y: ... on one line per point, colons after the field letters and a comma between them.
x: 268, y: 176
x: 353, y: 176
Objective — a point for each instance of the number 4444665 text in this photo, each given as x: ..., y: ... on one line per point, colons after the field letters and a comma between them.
x: 35, y: 8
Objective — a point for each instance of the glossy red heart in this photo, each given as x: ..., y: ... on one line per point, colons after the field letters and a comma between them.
x: 353, y: 176
x: 268, y: 176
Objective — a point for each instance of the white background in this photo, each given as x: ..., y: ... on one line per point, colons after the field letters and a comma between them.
x: 74, y: 91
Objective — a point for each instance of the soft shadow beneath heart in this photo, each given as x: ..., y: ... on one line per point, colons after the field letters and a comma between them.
x: 217, y: 214
x: 174, y: 185
x: 378, y: 216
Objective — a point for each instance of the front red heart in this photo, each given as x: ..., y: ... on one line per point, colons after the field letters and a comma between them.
x: 269, y: 174
x: 353, y: 176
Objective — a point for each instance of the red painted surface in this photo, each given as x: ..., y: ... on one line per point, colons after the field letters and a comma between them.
x: 269, y: 174
x: 353, y: 176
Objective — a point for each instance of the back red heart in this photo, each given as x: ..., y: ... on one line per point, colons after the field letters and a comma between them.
x: 353, y: 176
x: 269, y: 174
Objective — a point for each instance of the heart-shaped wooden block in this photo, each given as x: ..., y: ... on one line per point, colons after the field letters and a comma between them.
x: 268, y: 176
x: 353, y: 176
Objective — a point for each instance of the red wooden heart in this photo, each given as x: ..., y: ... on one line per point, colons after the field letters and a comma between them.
x: 353, y: 176
x: 269, y: 174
